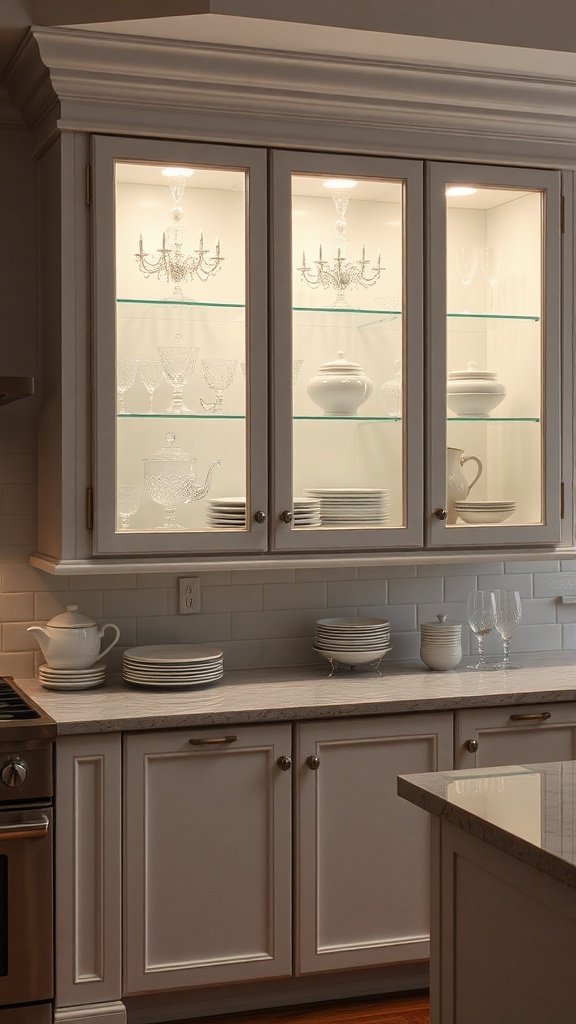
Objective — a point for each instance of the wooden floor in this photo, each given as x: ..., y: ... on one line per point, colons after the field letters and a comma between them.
x: 402, y: 1009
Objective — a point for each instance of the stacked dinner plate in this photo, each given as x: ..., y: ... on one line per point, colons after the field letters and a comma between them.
x: 173, y: 665
x: 485, y: 512
x: 223, y: 513
x: 352, y: 641
x: 72, y: 678
x: 306, y: 512
x: 351, y: 506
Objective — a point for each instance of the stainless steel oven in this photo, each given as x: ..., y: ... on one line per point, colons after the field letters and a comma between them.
x: 26, y: 859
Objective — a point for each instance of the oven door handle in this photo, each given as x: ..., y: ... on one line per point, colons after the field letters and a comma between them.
x: 33, y: 829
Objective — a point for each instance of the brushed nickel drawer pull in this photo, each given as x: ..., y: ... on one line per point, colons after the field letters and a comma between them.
x: 206, y: 740
x: 539, y: 716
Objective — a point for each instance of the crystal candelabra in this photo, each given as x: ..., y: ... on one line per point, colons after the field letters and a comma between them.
x: 341, y: 273
x: 172, y: 263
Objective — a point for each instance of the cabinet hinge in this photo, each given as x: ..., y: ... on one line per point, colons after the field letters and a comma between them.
x: 562, y: 214
x: 88, y: 184
x: 562, y: 500
x: 89, y: 508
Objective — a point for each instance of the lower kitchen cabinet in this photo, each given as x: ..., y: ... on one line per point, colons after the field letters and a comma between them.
x: 207, y: 849
x: 362, y: 856
x: 524, y: 734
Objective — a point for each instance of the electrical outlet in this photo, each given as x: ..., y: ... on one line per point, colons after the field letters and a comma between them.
x: 189, y: 595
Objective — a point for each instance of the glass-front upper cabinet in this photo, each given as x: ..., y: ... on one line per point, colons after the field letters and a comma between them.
x: 180, y: 314
x: 494, y: 368
x: 347, y: 322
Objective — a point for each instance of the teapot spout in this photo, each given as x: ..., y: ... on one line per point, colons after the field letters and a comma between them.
x: 199, y: 492
x: 42, y: 636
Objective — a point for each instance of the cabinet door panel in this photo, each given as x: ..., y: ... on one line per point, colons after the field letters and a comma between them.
x: 524, y: 734
x: 207, y: 857
x: 363, y: 857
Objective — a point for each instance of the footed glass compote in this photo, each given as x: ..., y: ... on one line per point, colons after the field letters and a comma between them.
x: 481, y: 612
x: 218, y: 374
x: 508, y: 615
x: 128, y: 502
x: 466, y: 264
x: 178, y: 365
x: 152, y: 376
x: 125, y: 377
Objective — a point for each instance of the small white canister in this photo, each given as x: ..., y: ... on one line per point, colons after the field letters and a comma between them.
x: 441, y: 644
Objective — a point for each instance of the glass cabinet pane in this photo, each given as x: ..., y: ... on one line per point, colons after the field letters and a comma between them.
x: 348, y: 290
x: 502, y: 335
x: 182, y: 346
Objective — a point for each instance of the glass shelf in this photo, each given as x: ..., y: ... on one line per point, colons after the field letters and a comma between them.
x: 350, y: 419
x: 343, y: 316
x: 482, y: 322
x: 493, y: 419
x: 219, y: 312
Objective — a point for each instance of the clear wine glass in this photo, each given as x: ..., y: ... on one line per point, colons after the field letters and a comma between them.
x: 508, y: 615
x: 128, y: 502
x: 219, y: 374
x: 481, y: 612
x: 178, y: 365
x: 152, y: 376
x: 125, y: 377
x: 296, y: 367
x: 490, y: 264
x: 466, y: 263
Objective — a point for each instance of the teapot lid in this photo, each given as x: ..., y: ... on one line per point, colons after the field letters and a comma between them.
x: 71, y: 619
x: 170, y: 452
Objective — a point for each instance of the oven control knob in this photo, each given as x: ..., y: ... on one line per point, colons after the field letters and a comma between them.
x: 14, y: 773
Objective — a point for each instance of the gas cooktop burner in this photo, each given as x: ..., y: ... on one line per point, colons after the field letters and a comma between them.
x: 21, y: 712
x: 12, y: 704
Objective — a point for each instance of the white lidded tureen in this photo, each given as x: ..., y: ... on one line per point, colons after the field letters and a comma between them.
x: 340, y: 387
x: 473, y: 392
x: 72, y: 640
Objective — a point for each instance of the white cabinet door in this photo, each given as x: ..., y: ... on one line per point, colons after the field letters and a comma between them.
x: 207, y: 857
x: 363, y: 853
x: 521, y: 734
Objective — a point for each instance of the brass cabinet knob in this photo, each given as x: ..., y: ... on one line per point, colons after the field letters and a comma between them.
x: 259, y: 517
x: 441, y: 514
x: 285, y: 763
x: 286, y: 516
x: 471, y: 746
x: 313, y: 763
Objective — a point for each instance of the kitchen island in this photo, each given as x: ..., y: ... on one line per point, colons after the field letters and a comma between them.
x: 503, y: 892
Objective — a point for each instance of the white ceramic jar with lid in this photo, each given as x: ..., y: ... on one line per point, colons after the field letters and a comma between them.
x: 441, y: 644
x: 340, y: 387
x: 473, y: 392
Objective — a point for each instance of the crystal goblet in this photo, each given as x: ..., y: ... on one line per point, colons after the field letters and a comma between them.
x: 178, y: 365
x: 128, y: 502
x: 125, y: 377
x: 218, y: 374
x: 296, y: 367
x: 508, y: 615
x: 481, y: 612
x: 151, y: 376
x: 490, y: 263
x: 466, y: 263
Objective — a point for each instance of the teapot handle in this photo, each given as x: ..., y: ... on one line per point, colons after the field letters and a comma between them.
x: 472, y: 458
x: 109, y: 625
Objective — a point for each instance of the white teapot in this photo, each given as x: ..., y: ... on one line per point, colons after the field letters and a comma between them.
x: 71, y: 640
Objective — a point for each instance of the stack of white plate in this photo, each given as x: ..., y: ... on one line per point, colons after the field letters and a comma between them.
x: 173, y: 665
x: 306, y: 512
x: 351, y: 506
x: 72, y: 678
x: 352, y: 641
x: 485, y: 512
x: 225, y: 513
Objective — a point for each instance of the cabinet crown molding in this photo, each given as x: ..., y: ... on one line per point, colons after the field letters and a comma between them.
x: 78, y: 80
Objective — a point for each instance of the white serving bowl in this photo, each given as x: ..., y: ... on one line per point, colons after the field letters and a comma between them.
x: 353, y: 657
x: 473, y: 403
x: 484, y: 517
x: 441, y: 658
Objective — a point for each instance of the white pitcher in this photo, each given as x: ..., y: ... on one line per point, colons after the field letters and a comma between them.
x: 457, y: 486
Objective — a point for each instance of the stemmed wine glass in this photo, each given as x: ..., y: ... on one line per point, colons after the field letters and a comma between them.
x: 219, y: 374
x: 466, y: 260
x: 481, y: 612
x: 151, y: 376
x: 128, y: 502
x: 125, y: 377
x: 490, y: 263
x: 178, y: 365
x: 508, y: 615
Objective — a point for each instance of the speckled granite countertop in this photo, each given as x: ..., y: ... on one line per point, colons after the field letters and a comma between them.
x: 526, y: 811
x: 270, y: 695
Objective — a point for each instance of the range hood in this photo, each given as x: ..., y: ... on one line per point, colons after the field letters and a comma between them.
x: 13, y: 388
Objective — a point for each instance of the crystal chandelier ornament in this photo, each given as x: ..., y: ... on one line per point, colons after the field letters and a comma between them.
x: 340, y: 273
x: 172, y: 263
